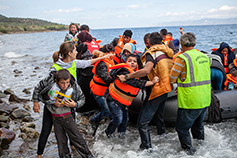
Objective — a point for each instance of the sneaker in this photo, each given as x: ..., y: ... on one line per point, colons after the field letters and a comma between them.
x: 121, y: 135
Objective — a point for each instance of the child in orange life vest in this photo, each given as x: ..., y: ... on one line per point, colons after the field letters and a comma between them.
x: 100, y: 83
x: 121, y: 94
x: 231, y: 81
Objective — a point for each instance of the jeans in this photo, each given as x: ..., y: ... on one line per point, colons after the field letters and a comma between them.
x: 119, y: 118
x: 216, y: 78
x: 186, y: 119
x: 101, y: 100
x: 151, y: 109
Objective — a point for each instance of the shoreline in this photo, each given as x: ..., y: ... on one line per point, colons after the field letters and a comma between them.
x: 26, y: 32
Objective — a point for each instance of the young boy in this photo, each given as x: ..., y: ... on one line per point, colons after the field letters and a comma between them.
x: 60, y: 92
x: 231, y: 81
x: 121, y: 94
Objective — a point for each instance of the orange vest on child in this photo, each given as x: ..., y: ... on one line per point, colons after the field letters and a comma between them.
x: 122, y: 92
x: 97, y: 85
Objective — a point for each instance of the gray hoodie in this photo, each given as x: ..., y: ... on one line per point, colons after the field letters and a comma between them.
x: 40, y: 93
x: 79, y: 64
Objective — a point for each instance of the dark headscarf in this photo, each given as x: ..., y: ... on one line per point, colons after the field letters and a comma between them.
x: 230, y: 56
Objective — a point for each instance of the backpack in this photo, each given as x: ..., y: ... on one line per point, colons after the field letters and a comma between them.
x: 214, y: 110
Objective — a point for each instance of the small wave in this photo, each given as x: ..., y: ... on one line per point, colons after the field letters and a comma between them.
x: 13, y: 55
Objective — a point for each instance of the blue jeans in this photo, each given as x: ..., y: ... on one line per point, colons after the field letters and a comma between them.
x: 186, y: 119
x: 216, y: 78
x: 119, y: 118
x: 101, y: 100
x: 151, y: 109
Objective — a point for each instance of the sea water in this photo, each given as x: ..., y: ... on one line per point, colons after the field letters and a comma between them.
x: 32, y: 55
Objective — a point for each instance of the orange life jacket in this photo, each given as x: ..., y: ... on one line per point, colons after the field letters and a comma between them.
x: 229, y: 78
x: 214, y: 49
x: 119, y: 47
x: 167, y: 40
x: 122, y: 92
x: 97, y: 85
x: 93, y: 45
x: 235, y: 62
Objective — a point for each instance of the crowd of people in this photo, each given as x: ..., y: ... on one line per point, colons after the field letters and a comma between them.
x: 113, y: 75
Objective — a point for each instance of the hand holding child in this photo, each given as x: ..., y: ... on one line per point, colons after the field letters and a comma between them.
x: 36, y: 107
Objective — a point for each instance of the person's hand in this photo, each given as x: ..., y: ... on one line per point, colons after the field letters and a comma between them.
x: 181, y: 30
x: 58, y: 103
x: 155, y: 79
x: 121, y: 78
x: 36, y: 107
x: 176, y: 91
x: 73, y: 39
x: 108, y: 56
x: 69, y: 103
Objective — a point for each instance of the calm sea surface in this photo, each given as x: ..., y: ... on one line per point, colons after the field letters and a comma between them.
x: 25, y: 52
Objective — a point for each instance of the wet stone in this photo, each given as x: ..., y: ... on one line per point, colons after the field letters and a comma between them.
x: 5, y: 108
x: 27, y: 119
x: 4, y: 118
x: 8, y: 91
x: 27, y: 107
x: 14, y: 98
x: 2, y: 95
x: 26, y: 91
x: 10, y: 135
x: 19, y: 113
x: 17, y: 71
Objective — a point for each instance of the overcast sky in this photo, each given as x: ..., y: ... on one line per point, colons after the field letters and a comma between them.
x: 119, y: 14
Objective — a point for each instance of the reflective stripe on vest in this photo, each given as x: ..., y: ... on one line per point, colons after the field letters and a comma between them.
x: 97, y: 85
x: 122, y: 92
x: 72, y: 69
x: 195, y: 91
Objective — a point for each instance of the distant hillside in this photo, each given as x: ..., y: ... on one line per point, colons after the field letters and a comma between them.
x: 11, y: 25
x: 207, y: 21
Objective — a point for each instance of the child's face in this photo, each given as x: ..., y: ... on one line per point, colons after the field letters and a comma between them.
x: 132, y: 62
x: 63, y: 84
x: 73, y: 29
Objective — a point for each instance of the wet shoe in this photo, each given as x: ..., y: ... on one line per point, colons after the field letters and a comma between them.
x: 121, y: 135
x: 93, y: 124
x: 191, y: 151
x: 109, y: 135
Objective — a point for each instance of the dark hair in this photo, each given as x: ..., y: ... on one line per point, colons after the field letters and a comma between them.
x: 163, y: 32
x: 234, y: 73
x: 62, y: 74
x: 84, y: 27
x: 169, y: 33
x: 146, y: 36
x: 127, y: 33
x: 188, y: 39
x: 84, y: 37
x: 130, y: 55
x: 73, y: 24
x: 108, y: 48
x: 155, y: 38
x: 65, y: 47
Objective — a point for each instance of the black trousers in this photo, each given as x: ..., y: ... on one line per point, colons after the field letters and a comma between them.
x: 46, y: 129
x: 66, y: 126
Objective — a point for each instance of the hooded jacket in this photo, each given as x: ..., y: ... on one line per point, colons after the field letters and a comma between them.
x: 162, y: 56
x: 230, y: 56
x: 42, y: 88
